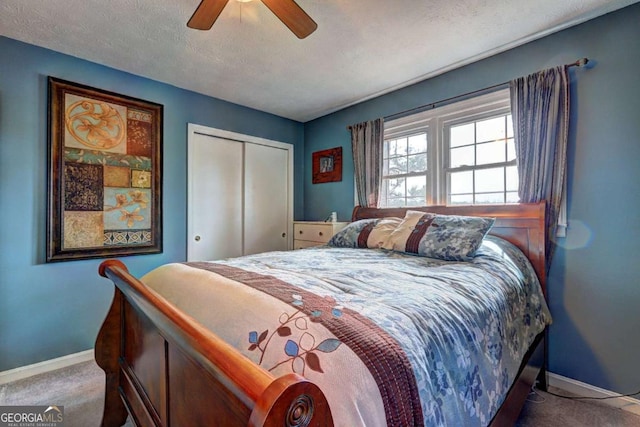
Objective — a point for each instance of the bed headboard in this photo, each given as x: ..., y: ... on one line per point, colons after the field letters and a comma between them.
x: 522, y: 224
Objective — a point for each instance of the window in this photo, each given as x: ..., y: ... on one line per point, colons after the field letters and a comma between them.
x: 461, y: 153
x: 481, y: 164
x: 405, y: 168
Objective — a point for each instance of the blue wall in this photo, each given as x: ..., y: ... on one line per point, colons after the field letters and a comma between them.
x: 594, y: 284
x: 50, y: 310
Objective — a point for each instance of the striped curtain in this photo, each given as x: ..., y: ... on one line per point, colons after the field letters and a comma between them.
x: 540, y: 110
x: 367, y: 140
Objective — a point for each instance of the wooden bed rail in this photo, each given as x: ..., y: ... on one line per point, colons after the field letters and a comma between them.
x: 233, y: 389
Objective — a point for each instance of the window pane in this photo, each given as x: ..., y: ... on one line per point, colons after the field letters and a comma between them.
x: 511, y: 150
x: 462, y: 199
x: 397, y: 165
x: 490, y: 152
x: 462, y: 135
x: 509, y: 126
x: 491, y: 129
x: 392, y: 203
x: 512, y: 197
x: 417, y: 187
x: 416, y: 201
x: 395, y: 188
x: 398, y: 147
x: 488, y: 180
x: 512, y: 178
x: 489, y: 198
x: 417, y: 163
x: 418, y: 143
x: 463, y: 156
x: 389, y: 146
x: 462, y: 182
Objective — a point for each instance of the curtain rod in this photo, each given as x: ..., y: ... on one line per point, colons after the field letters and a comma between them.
x: 579, y: 63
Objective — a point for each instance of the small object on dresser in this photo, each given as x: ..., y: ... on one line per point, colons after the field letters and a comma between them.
x: 333, y: 217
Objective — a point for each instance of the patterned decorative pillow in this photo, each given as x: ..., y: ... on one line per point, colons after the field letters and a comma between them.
x: 381, y: 232
x: 447, y: 237
x: 365, y: 233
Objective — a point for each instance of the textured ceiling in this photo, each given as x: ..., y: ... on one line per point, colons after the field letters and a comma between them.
x: 361, y: 49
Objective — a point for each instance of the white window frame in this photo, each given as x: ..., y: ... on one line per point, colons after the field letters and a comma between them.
x: 434, y: 122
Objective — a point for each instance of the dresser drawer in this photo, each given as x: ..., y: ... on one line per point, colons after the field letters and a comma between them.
x: 301, y: 244
x: 315, y: 232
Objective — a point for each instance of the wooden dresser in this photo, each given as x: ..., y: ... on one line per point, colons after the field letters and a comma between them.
x: 314, y: 233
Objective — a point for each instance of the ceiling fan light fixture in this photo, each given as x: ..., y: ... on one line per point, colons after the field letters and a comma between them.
x: 288, y: 11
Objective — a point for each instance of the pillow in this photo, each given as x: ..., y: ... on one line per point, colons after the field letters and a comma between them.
x: 381, y: 232
x: 365, y: 233
x: 447, y: 237
x: 398, y: 239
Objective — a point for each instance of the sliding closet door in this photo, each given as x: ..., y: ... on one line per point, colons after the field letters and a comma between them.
x: 215, y: 198
x: 266, y: 203
x: 240, y: 194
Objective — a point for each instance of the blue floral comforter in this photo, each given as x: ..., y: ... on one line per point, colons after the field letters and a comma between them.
x: 465, y: 326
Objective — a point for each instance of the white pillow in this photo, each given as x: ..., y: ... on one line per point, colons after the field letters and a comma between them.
x: 398, y: 238
x: 381, y: 232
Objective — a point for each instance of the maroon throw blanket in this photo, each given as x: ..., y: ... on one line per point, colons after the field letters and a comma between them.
x: 381, y: 354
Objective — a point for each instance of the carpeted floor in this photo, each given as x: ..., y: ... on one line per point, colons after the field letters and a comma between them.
x: 79, y: 389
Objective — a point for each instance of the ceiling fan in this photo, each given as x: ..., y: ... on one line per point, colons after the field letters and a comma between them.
x: 287, y: 11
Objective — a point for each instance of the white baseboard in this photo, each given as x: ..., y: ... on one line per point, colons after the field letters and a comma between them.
x: 46, y: 366
x: 583, y: 389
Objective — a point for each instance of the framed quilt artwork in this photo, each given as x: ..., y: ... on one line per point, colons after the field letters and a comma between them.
x: 104, y: 174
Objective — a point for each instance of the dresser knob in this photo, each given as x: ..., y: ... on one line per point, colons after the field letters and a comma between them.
x: 320, y: 233
x: 300, y: 231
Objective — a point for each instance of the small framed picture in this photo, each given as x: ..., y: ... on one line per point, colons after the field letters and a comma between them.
x: 327, y: 165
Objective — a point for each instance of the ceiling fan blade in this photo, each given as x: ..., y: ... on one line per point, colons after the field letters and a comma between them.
x: 206, y: 14
x: 292, y: 16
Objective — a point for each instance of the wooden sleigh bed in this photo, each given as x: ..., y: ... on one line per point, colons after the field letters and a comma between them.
x: 165, y: 369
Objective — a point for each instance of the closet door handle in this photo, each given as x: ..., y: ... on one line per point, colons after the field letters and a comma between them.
x: 284, y: 235
x: 197, y: 238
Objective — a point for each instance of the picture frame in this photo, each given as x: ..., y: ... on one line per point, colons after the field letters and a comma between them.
x: 327, y: 165
x: 104, y: 173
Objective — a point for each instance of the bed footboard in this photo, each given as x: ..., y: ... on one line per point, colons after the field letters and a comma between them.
x: 164, y: 369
